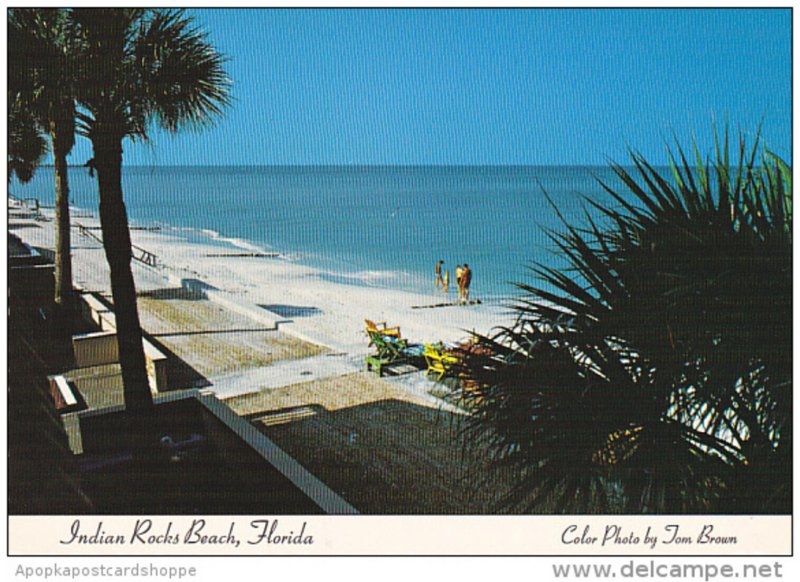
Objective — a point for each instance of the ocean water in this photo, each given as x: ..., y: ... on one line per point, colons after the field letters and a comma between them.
x: 379, y: 226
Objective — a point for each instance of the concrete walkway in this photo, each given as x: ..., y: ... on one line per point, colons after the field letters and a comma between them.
x: 283, y: 374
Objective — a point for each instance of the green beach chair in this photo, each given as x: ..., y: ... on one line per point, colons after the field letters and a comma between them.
x: 391, y: 350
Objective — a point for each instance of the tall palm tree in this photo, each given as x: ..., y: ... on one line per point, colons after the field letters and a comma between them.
x: 655, y: 374
x: 139, y: 66
x: 42, y: 56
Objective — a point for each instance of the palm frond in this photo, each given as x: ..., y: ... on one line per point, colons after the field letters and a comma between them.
x: 26, y: 144
x: 653, y: 372
x: 183, y: 80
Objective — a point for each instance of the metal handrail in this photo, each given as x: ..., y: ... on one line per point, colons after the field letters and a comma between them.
x: 145, y: 257
x: 34, y: 208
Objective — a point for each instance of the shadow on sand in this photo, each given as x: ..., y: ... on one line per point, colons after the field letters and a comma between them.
x: 289, y: 311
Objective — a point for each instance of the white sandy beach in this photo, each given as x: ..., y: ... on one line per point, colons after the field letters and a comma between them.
x: 300, y: 299
x: 387, y: 444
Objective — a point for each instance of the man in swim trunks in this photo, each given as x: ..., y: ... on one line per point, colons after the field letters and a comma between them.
x: 466, y: 279
x: 439, y: 280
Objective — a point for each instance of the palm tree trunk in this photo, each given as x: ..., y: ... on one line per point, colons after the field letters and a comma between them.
x: 63, y: 274
x: 117, y: 243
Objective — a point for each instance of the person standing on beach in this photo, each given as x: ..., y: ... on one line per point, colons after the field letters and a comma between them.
x: 446, y: 284
x: 466, y: 279
x: 458, y: 280
x: 439, y: 280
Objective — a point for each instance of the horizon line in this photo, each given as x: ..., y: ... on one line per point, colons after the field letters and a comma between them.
x: 365, y: 165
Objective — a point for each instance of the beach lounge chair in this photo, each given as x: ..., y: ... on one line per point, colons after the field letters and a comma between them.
x: 440, y: 361
x: 381, y: 328
x: 390, y: 350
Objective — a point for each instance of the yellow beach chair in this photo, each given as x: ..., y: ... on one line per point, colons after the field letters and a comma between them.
x: 440, y: 361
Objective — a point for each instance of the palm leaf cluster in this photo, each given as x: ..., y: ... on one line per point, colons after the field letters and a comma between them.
x: 42, y: 73
x: 654, y: 374
x: 42, y: 86
x: 26, y: 145
x: 141, y: 66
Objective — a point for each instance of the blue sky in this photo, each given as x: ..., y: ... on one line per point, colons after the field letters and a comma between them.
x: 484, y: 86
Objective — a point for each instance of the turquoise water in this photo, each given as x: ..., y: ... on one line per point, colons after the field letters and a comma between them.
x: 382, y: 226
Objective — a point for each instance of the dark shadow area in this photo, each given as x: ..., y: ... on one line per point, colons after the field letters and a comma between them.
x: 201, y: 467
x: 186, y: 293
x: 215, y: 331
x: 180, y: 375
x: 48, y: 254
x: 32, y: 286
x: 22, y: 226
x: 43, y: 477
x: 453, y: 303
x: 291, y: 310
x: 401, y: 368
x: 42, y: 473
x: 387, y: 457
x: 197, y: 286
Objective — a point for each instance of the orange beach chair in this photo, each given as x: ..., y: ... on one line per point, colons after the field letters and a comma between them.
x: 382, y: 329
